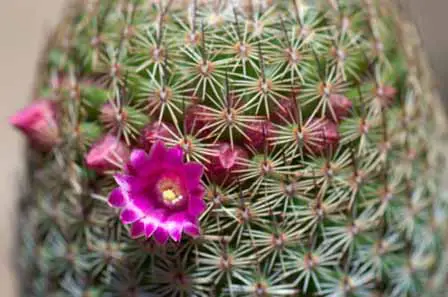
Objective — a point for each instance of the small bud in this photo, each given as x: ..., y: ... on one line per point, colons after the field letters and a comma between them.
x: 386, y: 95
x: 109, y: 116
x: 283, y: 113
x: 154, y: 132
x: 196, y: 120
x: 340, y: 107
x: 327, y: 138
x: 259, y: 134
x: 225, y: 162
x: 107, y: 154
x: 38, y: 122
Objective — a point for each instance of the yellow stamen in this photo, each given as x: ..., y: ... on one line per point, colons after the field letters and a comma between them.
x: 169, y: 195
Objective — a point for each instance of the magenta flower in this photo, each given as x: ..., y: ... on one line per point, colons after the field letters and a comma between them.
x: 38, y: 122
x: 159, y: 194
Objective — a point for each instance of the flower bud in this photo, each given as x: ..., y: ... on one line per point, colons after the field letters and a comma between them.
x: 38, y: 122
x: 109, y: 153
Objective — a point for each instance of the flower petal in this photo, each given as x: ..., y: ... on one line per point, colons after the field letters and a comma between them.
x: 196, y: 204
x: 161, y: 235
x: 174, y: 155
x: 137, y: 160
x: 144, y: 203
x: 193, y: 172
x: 130, y: 184
x: 123, y: 181
x: 130, y: 215
x: 158, y: 152
x: 137, y: 229
x: 192, y: 229
x: 175, y: 231
x: 152, y: 222
x: 175, y: 225
x: 117, y: 199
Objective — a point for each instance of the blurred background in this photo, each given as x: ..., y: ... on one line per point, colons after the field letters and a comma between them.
x: 24, y: 25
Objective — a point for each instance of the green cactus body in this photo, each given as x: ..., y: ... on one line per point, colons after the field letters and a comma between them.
x: 318, y: 127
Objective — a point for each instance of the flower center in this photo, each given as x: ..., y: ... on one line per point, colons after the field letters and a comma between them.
x: 170, y: 196
x: 170, y: 192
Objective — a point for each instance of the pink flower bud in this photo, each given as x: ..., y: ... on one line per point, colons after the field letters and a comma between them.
x: 340, y: 107
x: 196, y: 120
x: 109, y: 153
x: 109, y: 116
x: 154, y: 132
x: 38, y: 122
x: 386, y: 95
x: 223, y: 165
x: 284, y: 113
x: 259, y: 134
x: 326, y: 138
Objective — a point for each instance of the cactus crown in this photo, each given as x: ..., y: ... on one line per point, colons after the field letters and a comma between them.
x: 316, y: 126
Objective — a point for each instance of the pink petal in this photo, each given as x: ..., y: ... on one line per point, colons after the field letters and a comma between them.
x: 137, y: 229
x: 152, y: 222
x: 227, y: 156
x: 130, y: 215
x: 193, y: 173
x: 196, y: 204
x: 38, y: 110
x: 117, y: 199
x: 38, y: 122
x: 143, y: 203
x: 149, y: 229
x: 130, y: 184
x: 123, y: 181
x: 161, y: 235
x: 175, y: 225
x: 158, y: 152
x: 174, y: 155
x: 192, y: 229
x: 107, y: 154
x: 138, y: 159
x: 175, y: 231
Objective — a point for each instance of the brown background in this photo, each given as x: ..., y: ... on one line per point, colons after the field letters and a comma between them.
x: 24, y: 24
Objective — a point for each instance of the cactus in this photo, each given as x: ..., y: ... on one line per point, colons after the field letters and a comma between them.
x: 234, y: 148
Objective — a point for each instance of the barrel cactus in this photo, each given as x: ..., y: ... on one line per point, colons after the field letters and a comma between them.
x: 233, y: 148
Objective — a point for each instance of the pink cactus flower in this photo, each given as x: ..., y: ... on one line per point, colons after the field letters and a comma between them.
x: 108, y: 154
x: 38, y: 122
x: 159, y: 194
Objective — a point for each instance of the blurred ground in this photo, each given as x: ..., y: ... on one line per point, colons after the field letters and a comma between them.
x: 24, y: 25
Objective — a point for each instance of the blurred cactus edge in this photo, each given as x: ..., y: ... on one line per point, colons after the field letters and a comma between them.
x: 234, y: 148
